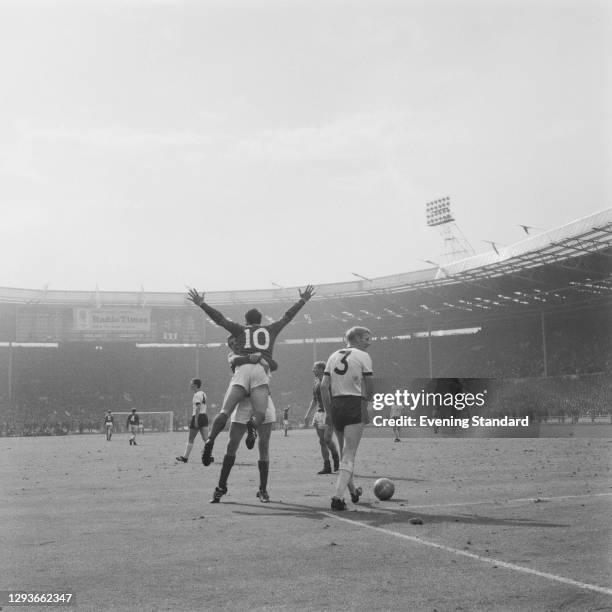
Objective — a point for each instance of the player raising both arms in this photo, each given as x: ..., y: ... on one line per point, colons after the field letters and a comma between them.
x: 346, y: 389
x: 250, y: 379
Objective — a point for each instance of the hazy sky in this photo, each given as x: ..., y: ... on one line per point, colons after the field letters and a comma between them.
x: 232, y: 145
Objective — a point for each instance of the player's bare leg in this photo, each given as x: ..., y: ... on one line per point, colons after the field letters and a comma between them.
x: 326, y: 442
x: 349, y: 442
x: 234, y: 395
x: 232, y: 398
x: 259, y: 401
x: 324, y: 452
x: 331, y: 446
x: 204, y: 435
x: 193, y: 433
x: 338, y: 502
x: 340, y: 436
x: 354, y: 491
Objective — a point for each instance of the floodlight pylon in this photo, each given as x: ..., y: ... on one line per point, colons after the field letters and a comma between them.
x: 455, y: 244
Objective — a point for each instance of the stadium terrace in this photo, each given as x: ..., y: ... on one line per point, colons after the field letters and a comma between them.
x: 533, y: 315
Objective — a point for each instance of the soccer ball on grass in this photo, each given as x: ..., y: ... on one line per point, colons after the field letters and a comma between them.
x: 384, y: 488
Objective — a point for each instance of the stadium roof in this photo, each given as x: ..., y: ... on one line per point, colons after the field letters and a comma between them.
x: 592, y: 234
x: 567, y: 267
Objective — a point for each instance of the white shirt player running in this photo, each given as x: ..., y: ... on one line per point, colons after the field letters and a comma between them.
x: 199, y: 397
x: 346, y: 369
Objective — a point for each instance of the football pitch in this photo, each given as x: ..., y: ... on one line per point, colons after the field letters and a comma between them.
x: 507, y: 524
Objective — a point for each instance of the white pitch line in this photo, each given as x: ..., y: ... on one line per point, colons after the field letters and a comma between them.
x: 506, y: 501
x: 463, y: 553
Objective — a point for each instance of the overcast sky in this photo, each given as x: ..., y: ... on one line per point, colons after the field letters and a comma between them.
x: 233, y: 145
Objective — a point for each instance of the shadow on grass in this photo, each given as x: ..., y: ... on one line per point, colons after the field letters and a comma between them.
x: 378, y: 517
x: 372, y: 514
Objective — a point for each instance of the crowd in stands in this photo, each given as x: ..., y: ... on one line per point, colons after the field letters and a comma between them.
x: 69, y: 388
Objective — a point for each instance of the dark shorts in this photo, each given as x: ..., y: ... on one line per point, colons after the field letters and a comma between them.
x: 202, y: 422
x: 346, y: 410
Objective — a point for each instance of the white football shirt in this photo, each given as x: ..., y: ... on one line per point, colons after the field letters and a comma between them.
x: 199, y: 397
x: 346, y: 369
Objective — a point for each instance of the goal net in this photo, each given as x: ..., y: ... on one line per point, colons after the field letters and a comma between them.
x: 149, y: 421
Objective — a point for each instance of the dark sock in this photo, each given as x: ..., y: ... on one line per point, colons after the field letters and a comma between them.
x: 263, y: 474
x: 228, y: 463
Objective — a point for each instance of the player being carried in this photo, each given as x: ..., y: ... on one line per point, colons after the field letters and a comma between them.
x: 249, y: 379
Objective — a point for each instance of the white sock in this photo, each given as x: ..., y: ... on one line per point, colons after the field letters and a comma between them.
x: 345, y: 476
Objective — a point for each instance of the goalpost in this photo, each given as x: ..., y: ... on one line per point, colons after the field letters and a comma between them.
x: 149, y: 421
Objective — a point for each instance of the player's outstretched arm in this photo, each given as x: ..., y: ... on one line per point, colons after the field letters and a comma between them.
x: 195, y: 297
x: 215, y: 315
x: 307, y: 293
x: 288, y: 316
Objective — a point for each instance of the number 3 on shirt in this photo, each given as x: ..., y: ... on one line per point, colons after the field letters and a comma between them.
x: 258, y: 338
x: 345, y: 363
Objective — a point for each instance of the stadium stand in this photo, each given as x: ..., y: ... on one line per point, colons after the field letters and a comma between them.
x: 535, y: 316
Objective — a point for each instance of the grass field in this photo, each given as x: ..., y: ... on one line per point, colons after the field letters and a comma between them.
x: 508, y: 524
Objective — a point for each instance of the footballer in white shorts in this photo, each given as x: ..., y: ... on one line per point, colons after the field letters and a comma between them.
x: 250, y: 376
x: 244, y: 411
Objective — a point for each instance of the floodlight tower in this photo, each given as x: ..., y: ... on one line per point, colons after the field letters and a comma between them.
x: 456, y: 245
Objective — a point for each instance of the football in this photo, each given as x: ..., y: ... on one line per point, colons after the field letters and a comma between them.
x: 384, y: 488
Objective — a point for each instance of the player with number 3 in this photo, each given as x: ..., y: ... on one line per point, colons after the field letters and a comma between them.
x: 346, y: 389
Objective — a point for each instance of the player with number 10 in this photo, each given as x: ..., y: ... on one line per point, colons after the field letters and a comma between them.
x: 251, y: 379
